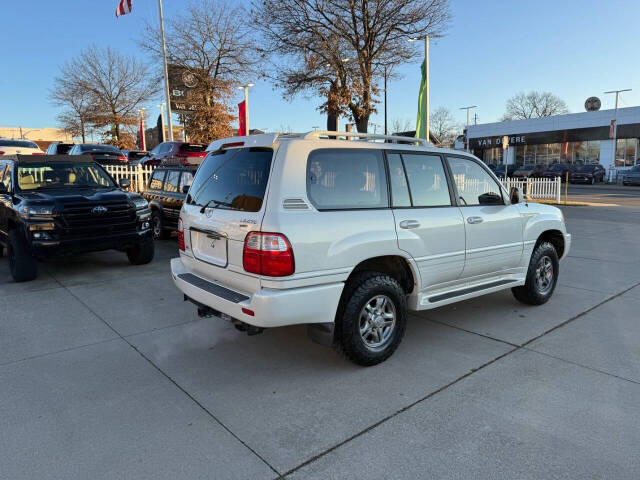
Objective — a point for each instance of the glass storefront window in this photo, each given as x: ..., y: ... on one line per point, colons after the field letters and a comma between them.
x: 626, y: 152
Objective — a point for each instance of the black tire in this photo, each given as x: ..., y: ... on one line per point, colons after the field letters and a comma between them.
x: 141, y: 254
x: 22, y: 264
x: 593, y: 181
x: 538, y: 290
x: 157, y: 223
x: 359, y: 293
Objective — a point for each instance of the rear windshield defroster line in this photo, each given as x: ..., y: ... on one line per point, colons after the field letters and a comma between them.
x: 233, y: 179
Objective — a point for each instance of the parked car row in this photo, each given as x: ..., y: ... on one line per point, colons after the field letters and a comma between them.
x: 182, y: 153
x: 578, y: 173
x: 19, y: 147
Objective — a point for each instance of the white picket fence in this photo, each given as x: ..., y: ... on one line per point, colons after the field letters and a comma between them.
x: 533, y: 188
x: 137, y: 174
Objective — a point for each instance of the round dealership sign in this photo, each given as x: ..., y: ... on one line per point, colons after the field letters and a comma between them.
x: 592, y: 104
x: 189, y: 79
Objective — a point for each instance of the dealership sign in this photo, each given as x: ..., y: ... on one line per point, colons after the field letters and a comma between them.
x: 491, y: 142
x: 182, y: 81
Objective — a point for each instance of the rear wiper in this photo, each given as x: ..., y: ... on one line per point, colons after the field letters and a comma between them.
x: 217, y: 204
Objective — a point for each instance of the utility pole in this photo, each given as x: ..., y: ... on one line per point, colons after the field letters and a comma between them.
x: 468, y: 110
x: 166, y: 72
x: 475, y: 118
x: 426, y: 93
x: 615, y: 130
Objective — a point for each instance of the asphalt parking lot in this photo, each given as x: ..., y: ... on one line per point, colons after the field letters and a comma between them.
x: 106, y: 373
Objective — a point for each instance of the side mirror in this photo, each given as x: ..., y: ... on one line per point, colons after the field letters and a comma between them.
x: 125, y: 183
x: 185, y: 189
x: 515, y: 195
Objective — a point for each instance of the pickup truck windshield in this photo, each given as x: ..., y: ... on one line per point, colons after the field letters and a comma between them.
x: 33, y: 176
x: 233, y: 179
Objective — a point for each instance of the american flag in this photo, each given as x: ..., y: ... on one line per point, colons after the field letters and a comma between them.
x: 124, y: 7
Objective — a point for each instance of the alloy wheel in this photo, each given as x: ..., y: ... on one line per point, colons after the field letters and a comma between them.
x: 544, y: 275
x: 377, y: 322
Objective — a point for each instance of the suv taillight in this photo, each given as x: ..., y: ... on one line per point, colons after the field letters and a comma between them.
x: 181, y: 235
x: 122, y: 158
x: 268, y: 254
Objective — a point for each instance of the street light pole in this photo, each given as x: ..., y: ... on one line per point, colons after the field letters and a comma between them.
x: 166, y: 72
x: 386, y: 132
x: 143, y: 140
x: 615, y: 129
x: 468, y: 121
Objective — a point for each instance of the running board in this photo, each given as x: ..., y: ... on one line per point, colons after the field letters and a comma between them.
x: 467, y: 291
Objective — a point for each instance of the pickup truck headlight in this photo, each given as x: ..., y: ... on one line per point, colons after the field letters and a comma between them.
x: 29, y: 211
x: 140, y: 203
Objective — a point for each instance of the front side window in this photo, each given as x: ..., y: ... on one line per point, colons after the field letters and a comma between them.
x: 157, y: 179
x: 475, y: 186
x: 427, y: 180
x: 346, y: 178
x: 7, y: 177
x: 171, y: 182
x: 186, y: 180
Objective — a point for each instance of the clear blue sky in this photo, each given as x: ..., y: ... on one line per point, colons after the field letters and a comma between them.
x: 574, y: 48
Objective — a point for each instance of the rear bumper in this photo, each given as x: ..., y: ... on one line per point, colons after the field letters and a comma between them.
x: 271, y: 307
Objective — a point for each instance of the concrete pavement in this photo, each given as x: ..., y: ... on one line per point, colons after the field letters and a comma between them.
x: 107, y: 373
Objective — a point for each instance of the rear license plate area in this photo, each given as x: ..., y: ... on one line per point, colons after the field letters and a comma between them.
x: 209, y: 247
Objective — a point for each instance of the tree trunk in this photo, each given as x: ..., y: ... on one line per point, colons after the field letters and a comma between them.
x: 362, y: 123
x: 82, y: 130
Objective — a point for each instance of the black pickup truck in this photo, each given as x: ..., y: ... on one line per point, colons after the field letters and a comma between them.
x: 59, y: 204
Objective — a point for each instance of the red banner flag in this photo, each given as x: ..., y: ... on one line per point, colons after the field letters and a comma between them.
x: 123, y: 8
x: 242, y: 119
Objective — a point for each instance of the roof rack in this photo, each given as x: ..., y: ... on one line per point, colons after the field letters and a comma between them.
x: 367, y: 137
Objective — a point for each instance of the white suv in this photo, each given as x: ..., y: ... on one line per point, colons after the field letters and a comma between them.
x: 347, y: 232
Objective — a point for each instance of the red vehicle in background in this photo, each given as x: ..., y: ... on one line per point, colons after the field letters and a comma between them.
x: 182, y: 153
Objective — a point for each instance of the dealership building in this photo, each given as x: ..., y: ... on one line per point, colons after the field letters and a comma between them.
x: 584, y: 137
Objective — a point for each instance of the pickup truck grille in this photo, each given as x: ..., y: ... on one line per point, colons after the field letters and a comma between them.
x: 80, y: 219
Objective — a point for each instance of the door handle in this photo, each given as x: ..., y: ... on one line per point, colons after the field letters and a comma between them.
x: 474, y: 220
x: 409, y: 224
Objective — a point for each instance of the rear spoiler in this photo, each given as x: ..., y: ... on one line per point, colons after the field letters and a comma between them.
x: 259, y: 140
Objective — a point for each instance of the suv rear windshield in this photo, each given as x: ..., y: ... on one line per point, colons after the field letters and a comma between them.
x: 189, y: 147
x: 17, y: 143
x: 99, y: 148
x: 233, y: 179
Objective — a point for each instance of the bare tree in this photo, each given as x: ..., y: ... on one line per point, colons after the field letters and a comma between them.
x: 215, y: 42
x: 79, y: 110
x: 399, y: 125
x: 338, y: 48
x: 114, y: 84
x: 533, y: 105
x: 443, y: 126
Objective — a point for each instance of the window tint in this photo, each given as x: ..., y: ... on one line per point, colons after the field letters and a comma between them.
x: 192, y: 147
x: 427, y: 180
x: 346, y: 178
x: 18, y: 143
x: 475, y: 186
x: 399, y: 188
x: 171, y: 182
x: 233, y: 179
x: 156, y: 179
x: 186, y: 179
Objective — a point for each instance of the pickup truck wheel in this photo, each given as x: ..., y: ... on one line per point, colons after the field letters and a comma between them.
x: 159, y: 232
x: 542, y: 276
x: 373, y: 318
x: 22, y: 264
x: 141, y: 254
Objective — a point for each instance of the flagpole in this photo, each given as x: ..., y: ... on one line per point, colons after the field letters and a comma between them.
x: 166, y: 73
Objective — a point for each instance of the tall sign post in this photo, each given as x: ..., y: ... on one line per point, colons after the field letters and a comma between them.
x: 505, y: 153
x: 166, y: 72
x: 614, y: 133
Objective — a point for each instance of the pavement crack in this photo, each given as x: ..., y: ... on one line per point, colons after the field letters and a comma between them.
x: 176, y: 384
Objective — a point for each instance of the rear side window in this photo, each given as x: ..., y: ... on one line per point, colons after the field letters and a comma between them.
x: 185, y: 180
x: 157, y: 179
x: 346, y: 178
x: 171, y: 182
x: 427, y: 180
x: 234, y: 179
